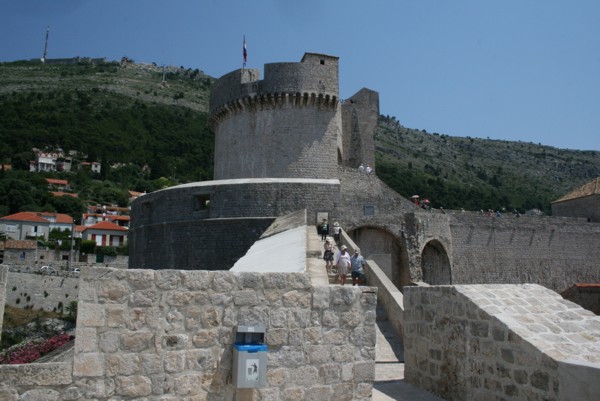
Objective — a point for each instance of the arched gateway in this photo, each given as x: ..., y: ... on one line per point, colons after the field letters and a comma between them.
x: 435, y: 264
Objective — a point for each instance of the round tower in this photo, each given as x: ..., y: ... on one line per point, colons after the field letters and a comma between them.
x: 287, y: 125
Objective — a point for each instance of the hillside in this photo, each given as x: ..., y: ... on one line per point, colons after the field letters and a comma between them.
x: 110, y: 113
x: 154, y: 133
x: 475, y: 174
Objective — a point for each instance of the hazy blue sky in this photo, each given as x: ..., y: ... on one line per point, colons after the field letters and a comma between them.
x: 512, y: 69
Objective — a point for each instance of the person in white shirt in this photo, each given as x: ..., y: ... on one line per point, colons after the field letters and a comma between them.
x: 342, y: 262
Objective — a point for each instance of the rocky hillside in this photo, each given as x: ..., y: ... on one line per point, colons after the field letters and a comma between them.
x: 474, y: 174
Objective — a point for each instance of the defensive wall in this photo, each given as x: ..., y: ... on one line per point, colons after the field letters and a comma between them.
x: 168, y: 334
x: 41, y: 291
x: 210, y: 225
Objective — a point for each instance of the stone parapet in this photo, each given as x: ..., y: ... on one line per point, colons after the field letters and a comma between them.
x: 484, y: 342
x: 168, y: 334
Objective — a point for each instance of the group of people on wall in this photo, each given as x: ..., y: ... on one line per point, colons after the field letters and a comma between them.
x: 341, y: 263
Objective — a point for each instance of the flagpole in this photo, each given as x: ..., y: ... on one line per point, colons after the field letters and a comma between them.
x: 244, y: 53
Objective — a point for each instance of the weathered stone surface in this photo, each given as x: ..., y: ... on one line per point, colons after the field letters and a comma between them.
x: 509, y: 351
x: 122, y: 364
x: 133, y: 386
x: 89, y: 365
x: 176, y: 344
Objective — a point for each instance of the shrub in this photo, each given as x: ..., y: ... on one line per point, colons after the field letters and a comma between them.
x: 33, y: 350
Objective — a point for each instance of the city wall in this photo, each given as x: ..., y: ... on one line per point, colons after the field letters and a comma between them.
x: 553, y: 252
x: 41, y: 291
x: 174, y: 228
x: 168, y: 334
x: 484, y: 342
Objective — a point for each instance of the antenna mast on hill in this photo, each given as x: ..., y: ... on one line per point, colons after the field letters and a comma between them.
x: 46, y: 45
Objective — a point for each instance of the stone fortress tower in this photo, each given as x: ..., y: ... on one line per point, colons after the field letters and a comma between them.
x: 279, y: 144
x: 285, y: 126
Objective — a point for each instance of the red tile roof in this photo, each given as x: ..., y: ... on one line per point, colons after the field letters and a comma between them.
x: 124, y: 218
x: 58, y: 194
x: 57, y: 182
x: 106, y: 225
x: 25, y: 216
x: 39, y: 217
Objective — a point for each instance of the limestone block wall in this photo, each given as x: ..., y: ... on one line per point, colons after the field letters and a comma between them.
x: 553, y: 252
x: 293, y: 137
x: 171, y: 229
x: 40, y: 291
x: 286, y: 125
x: 168, y: 334
x: 482, y: 342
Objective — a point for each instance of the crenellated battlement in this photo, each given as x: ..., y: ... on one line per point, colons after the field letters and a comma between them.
x: 313, y: 81
x: 271, y: 100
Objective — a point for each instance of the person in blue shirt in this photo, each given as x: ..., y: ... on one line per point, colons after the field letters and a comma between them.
x: 358, y: 263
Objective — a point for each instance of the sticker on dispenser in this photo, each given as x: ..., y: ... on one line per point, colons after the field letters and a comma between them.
x: 252, y: 370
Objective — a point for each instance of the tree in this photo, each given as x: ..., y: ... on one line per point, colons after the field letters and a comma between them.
x: 74, y: 207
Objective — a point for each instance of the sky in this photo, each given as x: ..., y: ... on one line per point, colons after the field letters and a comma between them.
x: 517, y: 70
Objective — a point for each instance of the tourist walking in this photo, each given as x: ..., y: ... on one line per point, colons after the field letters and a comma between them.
x: 324, y: 230
x: 358, y: 263
x: 337, y: 230
x: 342, y: 262
x: 328, y: 256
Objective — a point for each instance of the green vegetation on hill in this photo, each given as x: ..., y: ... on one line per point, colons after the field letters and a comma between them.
x: 478, y: 174
x: 148, y: 134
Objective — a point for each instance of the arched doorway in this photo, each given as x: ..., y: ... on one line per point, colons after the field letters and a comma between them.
x: 435, y: 264
x: 386, y: 250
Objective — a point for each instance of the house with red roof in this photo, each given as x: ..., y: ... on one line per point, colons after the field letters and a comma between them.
x: 28, y: 225
x: 59, y: 185
x: 106, y: 233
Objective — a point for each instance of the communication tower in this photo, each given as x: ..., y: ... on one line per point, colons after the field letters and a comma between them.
x: 46, y: 46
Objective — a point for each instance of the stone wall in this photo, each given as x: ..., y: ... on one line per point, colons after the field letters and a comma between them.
x: 3, y: 278
x: 168, y: 334
x: 483, y: 342
x: 40, y: 291
x: 286, y: 125
x: 553, y: 252
x: 170, y: 230
x: 360, y: 117
x: 284, y: 137
x: 584, y: 207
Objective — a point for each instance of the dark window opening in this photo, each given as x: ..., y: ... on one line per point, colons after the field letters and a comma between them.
x: 202, y: 202
x: 322, y: 62
x: 146, y: 209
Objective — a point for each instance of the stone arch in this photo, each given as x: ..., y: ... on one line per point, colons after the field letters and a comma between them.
x: 435, y: 264
x: 387, y: 250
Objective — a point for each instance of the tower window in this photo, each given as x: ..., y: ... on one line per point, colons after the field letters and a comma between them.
x: 322, y: 62
x: 202, y: 202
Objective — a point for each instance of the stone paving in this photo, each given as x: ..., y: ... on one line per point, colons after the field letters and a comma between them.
x: 389, y: 370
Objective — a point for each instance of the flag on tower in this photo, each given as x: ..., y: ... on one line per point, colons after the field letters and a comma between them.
x: 245, y: 53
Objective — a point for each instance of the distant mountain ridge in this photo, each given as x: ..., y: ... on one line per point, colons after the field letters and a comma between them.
x: 146, y: 115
